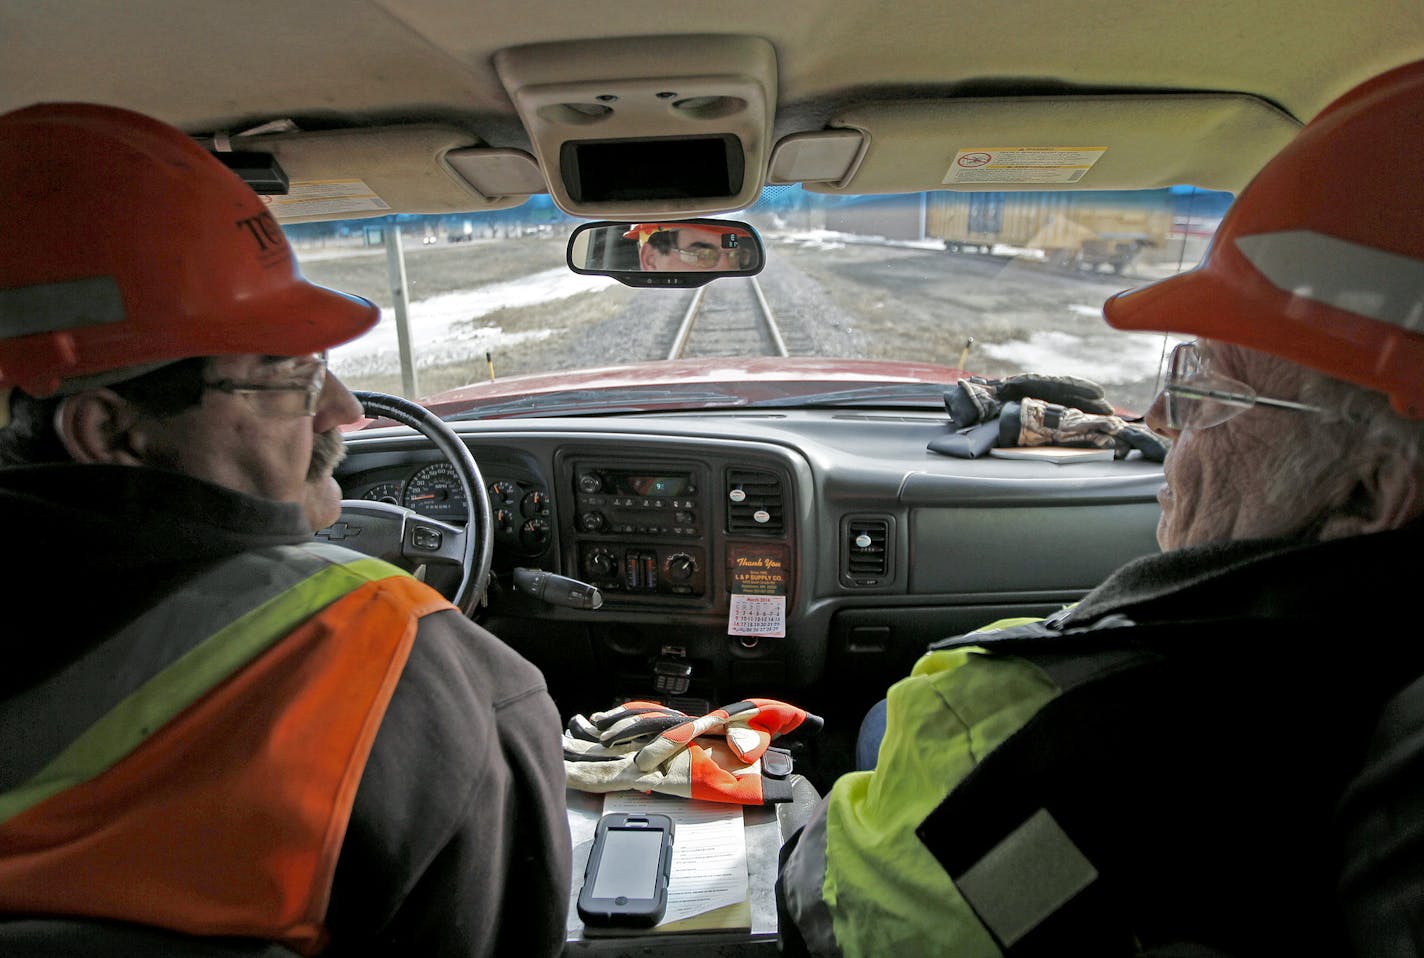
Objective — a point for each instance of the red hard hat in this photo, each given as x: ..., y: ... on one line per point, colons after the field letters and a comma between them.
x: 641, y: 231
x: 1321, y: 258
x: 123, y: 243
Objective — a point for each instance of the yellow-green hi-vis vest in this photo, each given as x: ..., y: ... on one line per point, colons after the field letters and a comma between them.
x: 861, y: 882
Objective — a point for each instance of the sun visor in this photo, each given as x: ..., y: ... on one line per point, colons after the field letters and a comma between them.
x: 1117, y: 142
x: 348, y: 174
x: 629, y: 128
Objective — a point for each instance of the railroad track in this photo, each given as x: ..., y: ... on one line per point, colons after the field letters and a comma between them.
x: 729, y: 317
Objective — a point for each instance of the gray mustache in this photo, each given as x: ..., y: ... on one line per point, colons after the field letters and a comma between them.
x: 328, y: 449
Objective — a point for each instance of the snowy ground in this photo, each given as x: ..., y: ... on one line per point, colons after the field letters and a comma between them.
x: 444, y: 328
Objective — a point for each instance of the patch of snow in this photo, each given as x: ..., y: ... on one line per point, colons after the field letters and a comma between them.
x: 442, y: 328
x: 1126, y: 357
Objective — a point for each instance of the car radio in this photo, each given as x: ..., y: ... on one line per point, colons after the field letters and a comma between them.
x: 639, y: 531
x: 646, y: 502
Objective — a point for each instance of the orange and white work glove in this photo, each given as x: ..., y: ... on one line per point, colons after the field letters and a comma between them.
x: 716, y: 757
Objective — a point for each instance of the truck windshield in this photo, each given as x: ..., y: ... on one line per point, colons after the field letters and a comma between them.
x: 994, y: 282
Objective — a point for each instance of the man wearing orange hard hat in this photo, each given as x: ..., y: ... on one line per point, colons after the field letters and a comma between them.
x: 216, y: 726
x: 1217, y: 750
x: 693, y: 246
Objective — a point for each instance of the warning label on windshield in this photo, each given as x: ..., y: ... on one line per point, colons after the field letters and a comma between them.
x: 757, y: 578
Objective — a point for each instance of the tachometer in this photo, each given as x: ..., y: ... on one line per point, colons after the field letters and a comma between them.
x: 384, y: 492
x: 435, y: 491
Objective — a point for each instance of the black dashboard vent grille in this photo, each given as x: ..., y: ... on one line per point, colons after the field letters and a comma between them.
x: 866, y: 550
x: 755, y: 503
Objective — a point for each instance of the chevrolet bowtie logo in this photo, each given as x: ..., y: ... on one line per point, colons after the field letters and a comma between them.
x: 338, y: 531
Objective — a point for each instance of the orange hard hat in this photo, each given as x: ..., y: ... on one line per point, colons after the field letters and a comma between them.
x: 1320, y: 260
x: 641, y: 231
x: 125, y: 245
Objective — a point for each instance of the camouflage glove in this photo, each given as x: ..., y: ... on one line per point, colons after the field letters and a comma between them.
x: 970, y: 401
x: 975, y: 399
x: 651, y: 748
x: 1033, y: 422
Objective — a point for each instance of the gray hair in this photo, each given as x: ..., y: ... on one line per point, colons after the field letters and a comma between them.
x: 1368, y: 413
x: 1355, y: 417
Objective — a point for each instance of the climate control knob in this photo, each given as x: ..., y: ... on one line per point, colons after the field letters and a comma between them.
x: 600, y: 564
x: 680, y: 567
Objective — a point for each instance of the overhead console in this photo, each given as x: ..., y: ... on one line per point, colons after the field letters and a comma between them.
x: 625, y: 127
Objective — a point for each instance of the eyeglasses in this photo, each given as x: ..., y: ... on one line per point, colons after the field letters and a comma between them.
x: 708, y: 255
x: 288, y: 386
x: 1197, y: 398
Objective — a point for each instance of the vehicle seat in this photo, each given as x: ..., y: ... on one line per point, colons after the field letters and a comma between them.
x: 790, y: 816
x: 94, y: 938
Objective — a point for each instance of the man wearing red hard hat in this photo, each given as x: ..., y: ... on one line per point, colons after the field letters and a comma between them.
x: 1217, y: 750
x: 695, y: 246
x: 215, y: 726
x: 1311, y: 290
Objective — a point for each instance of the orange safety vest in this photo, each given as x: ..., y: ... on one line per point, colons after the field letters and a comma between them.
x: 213, y: 795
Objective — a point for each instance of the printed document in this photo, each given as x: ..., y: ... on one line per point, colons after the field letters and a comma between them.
x: 709, y: 851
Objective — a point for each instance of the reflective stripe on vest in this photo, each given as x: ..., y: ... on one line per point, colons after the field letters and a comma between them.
x: 197, y: 770
x: 884, y: 893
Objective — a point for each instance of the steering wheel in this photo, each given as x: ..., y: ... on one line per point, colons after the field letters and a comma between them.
x: 408, y: 539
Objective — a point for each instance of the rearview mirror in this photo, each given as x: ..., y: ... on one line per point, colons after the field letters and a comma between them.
x: 684, y: 253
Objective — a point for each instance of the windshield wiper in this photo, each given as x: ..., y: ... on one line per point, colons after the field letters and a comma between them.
x: 602, y: 402
x: 897, y: 394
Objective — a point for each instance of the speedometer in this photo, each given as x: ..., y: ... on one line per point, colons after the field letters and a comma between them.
x: 436, y: 491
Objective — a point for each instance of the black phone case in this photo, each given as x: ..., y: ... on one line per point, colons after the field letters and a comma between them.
x: 630, y: 913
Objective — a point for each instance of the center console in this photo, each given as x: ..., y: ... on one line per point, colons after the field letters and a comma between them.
x: 643, y: 531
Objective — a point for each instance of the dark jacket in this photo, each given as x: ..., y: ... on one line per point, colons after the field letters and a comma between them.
x: 458, y: 842
x: 1222, y: 757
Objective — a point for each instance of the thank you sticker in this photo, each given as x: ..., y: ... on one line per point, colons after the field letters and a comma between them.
x: 757, y: 579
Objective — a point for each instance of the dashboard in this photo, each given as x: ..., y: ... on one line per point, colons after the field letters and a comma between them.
x: 762, y: 554
x: 639, y: 527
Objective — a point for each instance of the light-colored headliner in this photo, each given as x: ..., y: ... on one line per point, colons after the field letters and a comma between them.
x: 207, y: 66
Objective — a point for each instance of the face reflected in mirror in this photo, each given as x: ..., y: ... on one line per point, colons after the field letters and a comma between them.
x: 673, y: 247
x: 669, y: 255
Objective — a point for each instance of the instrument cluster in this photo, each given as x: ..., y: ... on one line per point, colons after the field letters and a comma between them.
x: 522, y: 510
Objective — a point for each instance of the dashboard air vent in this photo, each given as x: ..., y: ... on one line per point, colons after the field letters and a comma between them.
x: 866, y: 550
x: 755, y: 503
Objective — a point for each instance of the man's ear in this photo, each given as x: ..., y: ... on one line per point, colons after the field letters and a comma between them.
x: 97, y: 425
x: 1389, y: 492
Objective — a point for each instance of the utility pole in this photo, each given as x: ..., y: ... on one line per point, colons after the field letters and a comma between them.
x: 395, y: 263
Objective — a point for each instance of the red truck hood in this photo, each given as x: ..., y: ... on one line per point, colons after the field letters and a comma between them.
x: 750, y: 378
